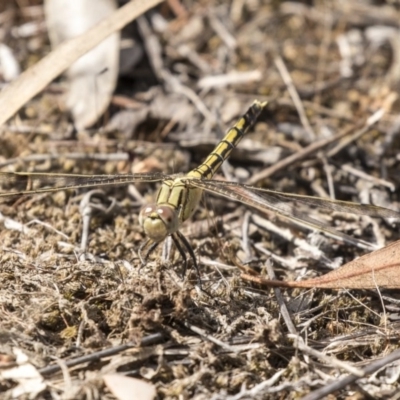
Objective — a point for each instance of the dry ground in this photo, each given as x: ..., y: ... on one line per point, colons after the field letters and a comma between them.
x: 59, y: 304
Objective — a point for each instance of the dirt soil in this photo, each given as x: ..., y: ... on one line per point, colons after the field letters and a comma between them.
x: 76, y: 304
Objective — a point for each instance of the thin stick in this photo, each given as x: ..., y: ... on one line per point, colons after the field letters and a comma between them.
x: 339, y: 384
x: 294, y: 95
x: 328, y: 360
x: 98, y: 355
x: 372, y: 120
x: 312, y: 148
x: 282, y: 305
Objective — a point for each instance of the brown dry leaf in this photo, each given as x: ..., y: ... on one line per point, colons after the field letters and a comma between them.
x: 381, y: 268
x: 125, y: 388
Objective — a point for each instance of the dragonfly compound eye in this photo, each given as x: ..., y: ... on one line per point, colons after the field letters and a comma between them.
x: 158, y: 221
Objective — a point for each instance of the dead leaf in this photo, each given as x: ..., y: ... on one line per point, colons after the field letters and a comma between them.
x: 9, y: 66
x: 381, y: 268
x: 126, y: 388
x: 92, y: 78
x: 34, y: 79
x: 29, y: 381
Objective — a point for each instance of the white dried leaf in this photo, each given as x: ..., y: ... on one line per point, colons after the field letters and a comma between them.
x: 91, y: 79
x: 29, y: 381
x: 9, y: 66
x: 126, y: 388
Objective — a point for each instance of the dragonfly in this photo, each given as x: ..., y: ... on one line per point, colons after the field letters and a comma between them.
x: 180, y: 194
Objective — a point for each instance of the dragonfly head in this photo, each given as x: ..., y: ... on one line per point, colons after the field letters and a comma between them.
x: 158, y: 221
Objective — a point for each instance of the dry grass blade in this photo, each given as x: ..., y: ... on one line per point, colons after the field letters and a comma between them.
x: 381, y: 268
x: 338, y: 384
x: 33, y: 80
x: 318, y: 145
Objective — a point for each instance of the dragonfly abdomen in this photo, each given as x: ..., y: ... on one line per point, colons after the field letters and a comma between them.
x: 224, y: 148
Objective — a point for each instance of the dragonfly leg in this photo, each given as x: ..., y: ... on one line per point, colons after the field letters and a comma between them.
x: 191, y: 253
x: 178, y: 245
x: 151, y: 247
x: 179, y: 240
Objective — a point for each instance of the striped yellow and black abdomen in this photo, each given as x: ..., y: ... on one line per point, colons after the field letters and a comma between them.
x: 175, y: 193
x: 224, y: 148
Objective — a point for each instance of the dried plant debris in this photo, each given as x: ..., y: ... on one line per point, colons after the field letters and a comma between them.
x: 91, y: 79
x: 81, y: 318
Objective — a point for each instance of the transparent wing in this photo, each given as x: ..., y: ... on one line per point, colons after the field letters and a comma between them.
x: 25, y: 183
x: 288, y: 206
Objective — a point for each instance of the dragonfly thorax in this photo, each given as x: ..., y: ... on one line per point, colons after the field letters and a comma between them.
x: 158, y: 221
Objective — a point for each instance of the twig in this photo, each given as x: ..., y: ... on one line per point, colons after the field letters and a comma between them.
x: 282, y: 305
x: 96, y: 356
x: 290, y: 160
x: 66, y: 374
x: 153, y: 49
x: 220, y: 29
x: 87, y: 207
x: 231, y: 78
x: 255, y: 391
x: 290, y: 264
x: 329, y: 178
x: 329, y: 360
x: 212, y: 339
x: 69, y: 156
x: 323, y: 52
x: 288, y: 236
x: 9, y: 223
x: 372, y: 120
x: 217, y: 264
x: 245, y: 235
x: 46, y: 225
x: 312, y: 148
x: 178, y: 8
x: 342, y: 383
x: 294, y: 95
x: 363, y: 175
x: 236, y: 10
